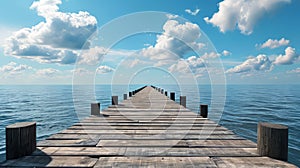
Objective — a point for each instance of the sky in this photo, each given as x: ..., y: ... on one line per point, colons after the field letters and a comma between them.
x: 149, y: 42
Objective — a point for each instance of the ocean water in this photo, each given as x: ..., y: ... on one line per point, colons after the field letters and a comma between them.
x: 55, y: 108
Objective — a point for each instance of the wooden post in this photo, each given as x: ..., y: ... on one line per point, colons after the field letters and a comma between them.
x: 172, y: 96
x: 114, y: 100
x: 272, y: 141
x: 125, y: 97
x: 20, y: 139
x: 166, y: 93
x: 204, y: 110
x: 162, y: 91
x: 183, y: 101
x: 95, y: 109
x: 130, y: 94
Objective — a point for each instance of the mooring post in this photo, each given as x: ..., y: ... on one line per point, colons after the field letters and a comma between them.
x: 204, y: 110
x: 172, y: 96
x: 20, y: 139
x: 130, y: 94
x: 114, y: 100
x: 183, y: 101
x: 95, y: 108
x: 125, y: 97
x: 272, y: 140
x: 166, y: 93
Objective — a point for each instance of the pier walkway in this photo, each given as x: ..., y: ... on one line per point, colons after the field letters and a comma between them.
x: 146, y: 130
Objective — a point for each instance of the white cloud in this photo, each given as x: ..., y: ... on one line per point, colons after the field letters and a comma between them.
x: 133, y: 63
x: 195, y: 62
x: 81, y: 72
x: 92, y: 56
x: 104, y: 69
x: 14, y: 68
x: 95, y: 55
x: 170, y: 16
x: 270, y: 43
x: 226, y: 53
x: 242, y: 14
x: 194, y: 13
x: 54, y: 40
x: 288, y: 58
x: 192, y: 67
x: 211, y: 55
x: 259, y: 63
x: 169, y: 45
x: 191, y: 64
x: 48, y: 72
x: 297, y: 70
x: 180, y: 66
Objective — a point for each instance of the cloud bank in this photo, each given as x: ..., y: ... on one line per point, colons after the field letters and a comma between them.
x: 170, y: 44
x: 259, y: 63
x: 288, y: 58
x: 54, y: 40
x: 14, y: 68
x: 297, y: 71
x: 242, y: 14
x: 104, y: 69
x: 273, y: 43
x: 263, y: 63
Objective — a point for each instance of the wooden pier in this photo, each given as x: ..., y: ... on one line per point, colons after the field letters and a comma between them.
x: 146, y: 130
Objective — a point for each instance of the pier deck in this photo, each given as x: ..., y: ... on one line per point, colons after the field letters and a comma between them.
x: 146, y: 130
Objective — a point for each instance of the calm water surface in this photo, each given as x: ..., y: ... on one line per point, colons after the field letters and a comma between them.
x: 52, y: 107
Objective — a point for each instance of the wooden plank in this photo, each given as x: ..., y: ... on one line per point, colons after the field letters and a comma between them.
x: 142, y: 143
x: 189, y: 152
x: 144, y: 151
x: 170, y: 137
x: 127, y: 109
x: 51, y: 161
x: 69, y: 142
x: 79, y: 151
x: 142, y: 117
x: 146, y: 132
x: 178, y: 143
x: 155, y: 162
x: 141, y: 137
x: 145, y: 124
x: 221, y: 143
x: 73, y: 137
x: 75, y: 127
x: 224, y: 162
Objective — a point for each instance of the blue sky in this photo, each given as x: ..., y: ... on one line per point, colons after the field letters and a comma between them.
x: 216, y: 41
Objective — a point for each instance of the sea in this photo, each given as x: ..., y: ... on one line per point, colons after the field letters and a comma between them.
x: 57, y: 107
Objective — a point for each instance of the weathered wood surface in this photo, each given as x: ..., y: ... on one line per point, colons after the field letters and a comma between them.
x: 146, y: 130
x: 20, y: 139
x: 272, y: 141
